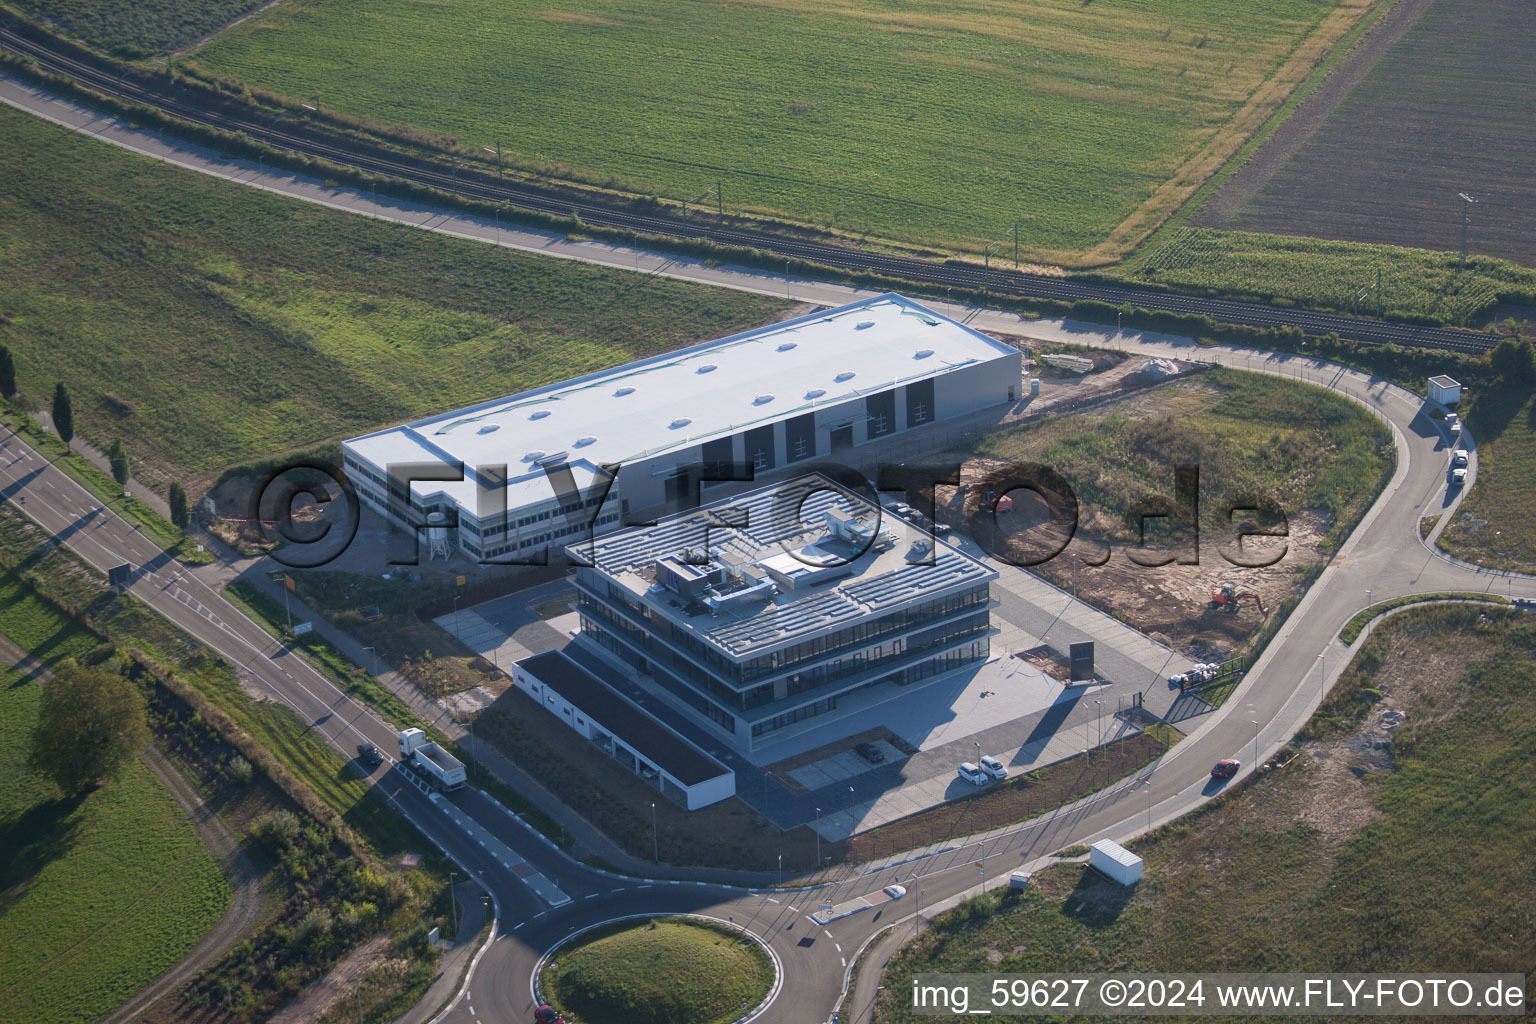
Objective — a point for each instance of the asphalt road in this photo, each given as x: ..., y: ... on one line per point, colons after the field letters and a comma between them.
x: 1384, y: 558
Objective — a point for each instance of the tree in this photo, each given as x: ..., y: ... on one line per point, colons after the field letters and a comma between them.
x: 1514, y: 361
x: 7, y: 373
x: 119, y: 460
x: 178, y: 503
x: 91, y: 723
x: 63, y: 414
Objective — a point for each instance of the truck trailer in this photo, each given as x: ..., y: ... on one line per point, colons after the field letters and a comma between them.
x: 445, y: 771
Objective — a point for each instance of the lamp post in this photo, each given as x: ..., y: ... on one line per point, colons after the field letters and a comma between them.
x: 781, y: 869
x: 1099, y: 714
x: 817, y: 831
x: 1322, y: 677
x: 917, y: 918
x: 1466, y: 204
x: 655, y: 840
x: 1255, y: 745
x: 453, y: 904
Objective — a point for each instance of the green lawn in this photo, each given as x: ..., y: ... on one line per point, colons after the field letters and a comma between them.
x: 209, y: 324
x: 1415, y: 858
x: 1496, y: 523
x: 98, y: 895
x: 658, y: 972
x: 1324, y: 274
x: 926, y: 122
x: 134, y: 28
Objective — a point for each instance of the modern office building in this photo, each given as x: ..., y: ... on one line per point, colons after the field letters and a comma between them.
x: 816, y: 602
x: 770, y: 398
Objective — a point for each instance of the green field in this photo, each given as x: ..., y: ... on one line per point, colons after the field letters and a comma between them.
x: 1412, y: 857
x: 209, y: 324
x: 135, y: 28
x: 1323, y: 274
x: 98, y: 895
x: 925, y: 122
x: 661, y: 971
x: 1496, y: 523
x: 1249, y: 434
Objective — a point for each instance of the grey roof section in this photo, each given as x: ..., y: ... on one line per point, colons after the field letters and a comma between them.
x: 779, y: 518
x: 653, y: 741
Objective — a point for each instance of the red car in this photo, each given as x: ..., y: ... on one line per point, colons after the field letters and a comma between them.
x: 1226, y: 768
x: 547, y: 1014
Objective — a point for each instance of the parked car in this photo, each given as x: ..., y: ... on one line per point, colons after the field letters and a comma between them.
x: 972, y: 774
x: 895, y: 892
x: 1459, y: 457
x: 869, y: 752
x: 993, y: 767
x: 1528, y: 603
x: 1458, y: 477
x: 547, y: 1014
x: 1226, y: 768
x: 369, y: 755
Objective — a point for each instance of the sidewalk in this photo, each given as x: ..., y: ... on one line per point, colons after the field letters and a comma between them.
x: 456, y: 959
x: 96, y: 457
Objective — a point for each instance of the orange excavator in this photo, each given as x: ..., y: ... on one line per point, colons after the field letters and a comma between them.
x: 1227, y: 597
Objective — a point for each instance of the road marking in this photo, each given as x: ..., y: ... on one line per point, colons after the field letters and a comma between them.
x: 591, y: 896
x: 772, y: 900
x: 619, y: 889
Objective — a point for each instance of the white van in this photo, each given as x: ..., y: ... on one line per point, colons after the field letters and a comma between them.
x: 993, y: 767
x: 972, y: 774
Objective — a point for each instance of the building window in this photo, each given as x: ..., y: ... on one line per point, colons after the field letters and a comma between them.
x: 881, y: 410
x: 760, y: 447
x: 919, y: 403
x: 800, y: 437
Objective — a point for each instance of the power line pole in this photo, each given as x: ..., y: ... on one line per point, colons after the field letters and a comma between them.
x: 1015, y: 245
x: 1466, y: 203
x: 720, y: 200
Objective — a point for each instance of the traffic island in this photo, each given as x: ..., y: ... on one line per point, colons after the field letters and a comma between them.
x: 659, y: 970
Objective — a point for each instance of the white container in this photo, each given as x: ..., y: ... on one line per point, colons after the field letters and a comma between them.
x: 1115, y: 861
x: 1018, y: 881
x: 442, y: 768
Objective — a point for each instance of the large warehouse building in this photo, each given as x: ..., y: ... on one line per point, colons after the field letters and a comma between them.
x: 813, y: 606
x: 770, y: 398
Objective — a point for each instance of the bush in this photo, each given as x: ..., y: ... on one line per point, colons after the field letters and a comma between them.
x: 279, y: 830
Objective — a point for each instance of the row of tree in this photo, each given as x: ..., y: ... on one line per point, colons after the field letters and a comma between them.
x: 64, y: 424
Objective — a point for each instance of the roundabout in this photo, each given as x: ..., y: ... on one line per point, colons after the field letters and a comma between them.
x: 653, y: 969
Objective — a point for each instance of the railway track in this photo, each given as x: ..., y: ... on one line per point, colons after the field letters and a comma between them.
x: 472, y: 185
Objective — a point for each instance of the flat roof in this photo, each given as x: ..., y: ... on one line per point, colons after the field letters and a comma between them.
x: 1445, y: 382
x: 779, y: 519
x: 634, y: 725
x: 1114, y: 851
x: 682, y: 398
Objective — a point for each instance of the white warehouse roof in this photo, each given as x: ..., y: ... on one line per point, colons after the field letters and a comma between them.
x: 679, y: 399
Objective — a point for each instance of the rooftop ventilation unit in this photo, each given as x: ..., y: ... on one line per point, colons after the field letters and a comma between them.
x: 785, y: 346
x: 489, y: 428
x: 540, y: 414
x: 582, y: 442
x: 922, y: 353
x: 679, y: 423
x: 707, y: 368
x: 534, y: 456
x: 551, y: 459
x: 845, y: 375
x: 762, y: 399
x: 815, y: 392
x: 863, y: 325
x: 626, y: 390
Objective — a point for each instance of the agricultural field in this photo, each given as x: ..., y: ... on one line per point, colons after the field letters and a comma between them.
x: 1496, y: 523
x: 1320, y: 457
x: 1085, y: 124
x: 98, y: 894
x: 1319, y: 274
x: 137, y: 28
x: 1446, y: 109
x: 659, y: 971
x: 1332, y: 863
x: 239, y: 325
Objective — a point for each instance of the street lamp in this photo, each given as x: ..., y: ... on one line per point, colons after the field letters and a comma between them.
x: 1255, y: 745
x: 917, y: 918
x: 1100, y: 715
x: 1322, y: 677
x: 817, y: 830
x: 453, y: 904
x: 655, y: 841
x: 781, y: 869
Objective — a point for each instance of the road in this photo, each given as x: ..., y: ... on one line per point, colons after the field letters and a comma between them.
x: 542, y: 896
x: 310, y: 138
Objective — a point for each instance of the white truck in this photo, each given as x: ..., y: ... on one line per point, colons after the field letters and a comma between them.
x: 445, y: 771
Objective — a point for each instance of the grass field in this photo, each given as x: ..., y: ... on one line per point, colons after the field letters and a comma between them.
x: 1321, y: 274
x: 921, y: 122
x: 135, y: 28
x: 1496, y: 523
x: 1249, y: 434
x: 660, y: 971
x: 100, y: 894
x: 1445, y: 110
x: 1410, y: 857
x: 238, y: 325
